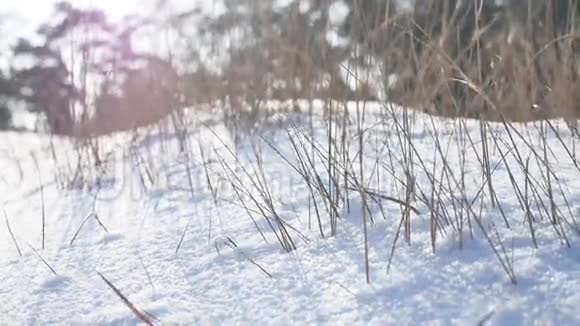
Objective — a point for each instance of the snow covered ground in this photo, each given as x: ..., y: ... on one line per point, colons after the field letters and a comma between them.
x: 182, y: 257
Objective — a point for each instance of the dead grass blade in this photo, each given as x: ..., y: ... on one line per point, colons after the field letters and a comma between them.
x: 12, y: 234
x: 93, y: 215
x: 143, y: 316
x: 42, y: 259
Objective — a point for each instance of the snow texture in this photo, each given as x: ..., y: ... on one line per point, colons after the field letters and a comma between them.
x: 225, y: 273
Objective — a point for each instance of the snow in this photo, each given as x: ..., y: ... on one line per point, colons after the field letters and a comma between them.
x: 224, y: 273
x: 338, y: 12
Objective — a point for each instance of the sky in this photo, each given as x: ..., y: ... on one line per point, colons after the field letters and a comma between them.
x: 20, y: 18
x: 31, y: 11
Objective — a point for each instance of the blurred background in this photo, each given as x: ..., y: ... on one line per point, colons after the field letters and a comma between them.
x: 93, y: 67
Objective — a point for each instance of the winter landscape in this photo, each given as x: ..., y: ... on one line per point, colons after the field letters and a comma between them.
x: 294, y: 162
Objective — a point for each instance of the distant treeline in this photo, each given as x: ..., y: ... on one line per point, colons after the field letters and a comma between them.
x: 481, y: 58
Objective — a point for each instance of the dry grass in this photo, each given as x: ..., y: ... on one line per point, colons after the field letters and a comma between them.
x: 507, y: 76
x: 145, y: 317
x: 468, y: 62
x: 497, y: 70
